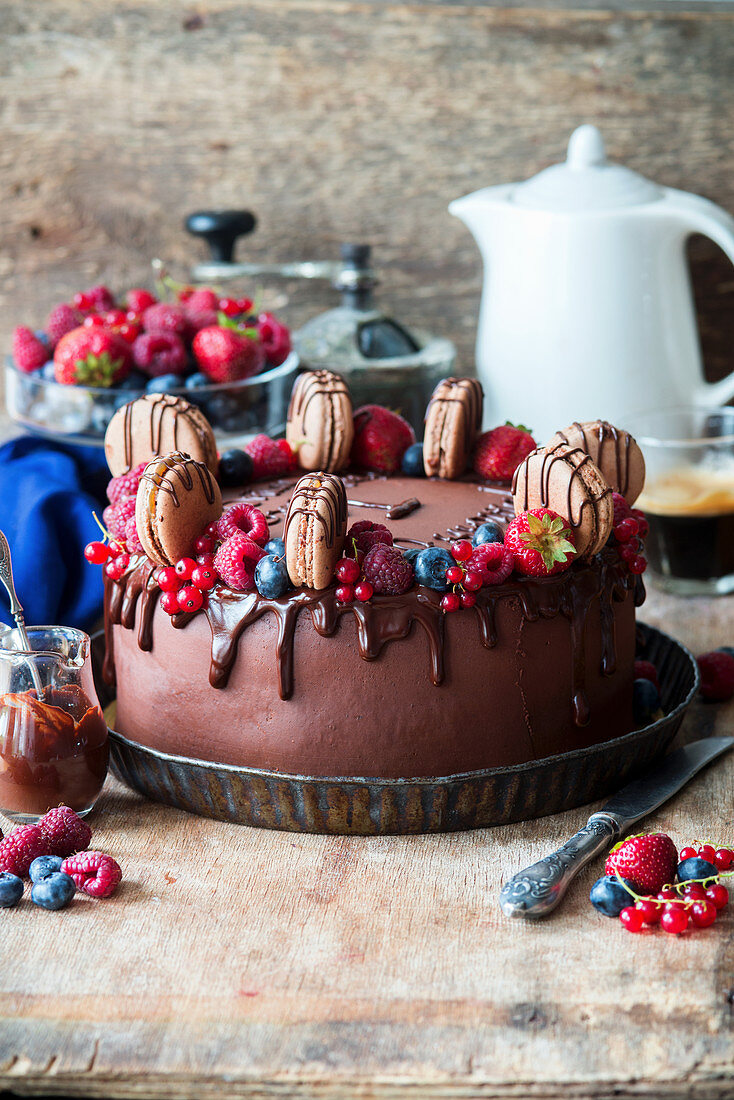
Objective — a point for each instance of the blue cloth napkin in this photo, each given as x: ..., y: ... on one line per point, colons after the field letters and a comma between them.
x: 48, y: 492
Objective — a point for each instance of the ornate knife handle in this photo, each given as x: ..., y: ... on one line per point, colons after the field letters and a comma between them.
x: 536, y: 891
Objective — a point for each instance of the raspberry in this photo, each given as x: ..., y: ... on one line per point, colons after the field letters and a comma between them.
x: 115, y: 517
x: 132, y: 538
x: 95, y: 873
x: 235, y: 561
x: 65, y: 830
x: 29, y: 352
x: 717, y: 676
x: 365, y: 534
x: 20, y: 847
x: 389, y: 573
x: 270, y: 457
x: 126, y: 485
x: 165, y: 317
x: 246, y: 519
x: 159, y: 353
x: 493, y: 561
x: 61, y: 320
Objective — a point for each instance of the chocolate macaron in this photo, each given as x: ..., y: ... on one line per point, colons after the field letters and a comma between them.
x: 613, y: 450
x: 176, y: 501
x: 453, y: 421
x: 320, y: 426
x: 157, y: 424
x: 566, y: 480
x: 315, y: 527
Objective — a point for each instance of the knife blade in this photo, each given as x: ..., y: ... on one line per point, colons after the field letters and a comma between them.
x: 537, y: 890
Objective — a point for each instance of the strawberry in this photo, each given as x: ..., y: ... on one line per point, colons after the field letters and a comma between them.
x: 647, y: 861
x: 91, y: 357
x: 226, y: 353
x: 270, y: 457
x: 498, y: 453
x: 381, y: 438
x: 62, y: 319
x: 541, y: 542
x: 29, y: 352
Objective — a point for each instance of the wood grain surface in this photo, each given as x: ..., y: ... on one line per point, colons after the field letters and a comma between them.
x: 259, y: 964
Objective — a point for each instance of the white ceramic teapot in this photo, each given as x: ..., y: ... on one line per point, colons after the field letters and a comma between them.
x: 587, y: 308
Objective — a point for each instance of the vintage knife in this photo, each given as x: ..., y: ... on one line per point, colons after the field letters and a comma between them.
x: 536, y: 891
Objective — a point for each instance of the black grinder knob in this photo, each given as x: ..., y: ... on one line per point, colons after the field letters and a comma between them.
x: 220, y: 229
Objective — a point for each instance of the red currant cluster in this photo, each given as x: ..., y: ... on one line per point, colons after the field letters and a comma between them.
x: 694, y: 902
x: 630, y: 529
x: 231, y: 307
x: 112, y: 555
x: 464, y: 580
x: 126, y: 324
x: 350, y: 587
x: 186, y: 585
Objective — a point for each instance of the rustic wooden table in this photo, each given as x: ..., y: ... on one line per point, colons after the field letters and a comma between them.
x: 250, y: 963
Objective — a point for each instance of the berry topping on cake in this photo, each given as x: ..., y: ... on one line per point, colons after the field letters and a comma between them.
x: 493, y: 562
x: 94, y: 873
x: 488, y: 532
x: 381, y: 438
x: 648, y: 861
x: 363, y: 591
x: 365, y: 534
x: 62, y: 319
x: 246, y: 519
x: 29, y: 352
x: 236, y: 559
x: 541, y: 542
x: 91, y: 357
x: 499, y: 452
x: 66, y: 831
x: 116, y: 516
x: 431, y: 566
x: 126, y: 485
x: 347, y: 571
x: 227, y: 354
x: 411, y: 463
x: 621, y: 508
x: 235, y: 468
x: 21, y: 846
x: 717, y: 676
x: 159, y: 353
x: 389, y: 573
x: 271, y: 577
x: 271, y: 457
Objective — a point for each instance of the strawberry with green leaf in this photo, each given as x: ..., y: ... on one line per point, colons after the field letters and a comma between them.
x: 541, y: 541
x: 91, y: 357
x: 228, y: 351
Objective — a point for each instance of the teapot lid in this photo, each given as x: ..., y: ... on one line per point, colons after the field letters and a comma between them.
x: 585, y: 180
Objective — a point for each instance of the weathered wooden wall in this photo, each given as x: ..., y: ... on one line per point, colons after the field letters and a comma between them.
x: 335, y: 120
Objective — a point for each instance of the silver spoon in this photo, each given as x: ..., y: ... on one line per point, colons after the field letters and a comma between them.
x: 16, y: 608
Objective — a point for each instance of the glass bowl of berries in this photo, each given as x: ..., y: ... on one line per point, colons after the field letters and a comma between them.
x: 97, y: 352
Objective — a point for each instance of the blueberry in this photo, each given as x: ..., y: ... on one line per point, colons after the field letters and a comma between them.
x: 271, y: 578
x: 488, y: 532
x: 729, y: 649
x: 412, y: 462
x: 11, y: 890
x: 164, y: 384
x: 609, y: 896
x: 134, y: 382
x: 196, y: 381
x: 43, y: 337
x: 53, y: 892
x: 412, y: 554
x: 223, y: 411
x: 695, y: 867
x: 43, y: 866
x: 430, y: 568
x: 645, y: 701
x: 48, y: 371
x: 275, y: 548
x: 235, y: 468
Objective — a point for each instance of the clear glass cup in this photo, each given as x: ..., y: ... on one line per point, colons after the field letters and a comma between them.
x: 688, y: 498
x: 53, y: 743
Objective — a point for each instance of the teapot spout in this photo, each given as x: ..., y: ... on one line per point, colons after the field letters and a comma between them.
x: 478, y: 210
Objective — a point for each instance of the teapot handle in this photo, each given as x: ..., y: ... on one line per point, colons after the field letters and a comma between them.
x: 701, y: 216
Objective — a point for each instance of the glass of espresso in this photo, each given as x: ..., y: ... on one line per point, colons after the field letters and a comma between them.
x: 688, y: 498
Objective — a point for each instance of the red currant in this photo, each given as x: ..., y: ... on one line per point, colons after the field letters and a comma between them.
x: 190, y: 598
x: 169, y: 602
x: 203, y: 577
x: 184, y: 568
x: 468, y: 599
x: 347, y: 571
x: 641, y: 522
x: 695, y: 890
x: 204, y: 545
x: 345, y: 593
x: 115, y: 317
x: 450, y: 602
x: 82, y: 300
x: 629, y: 550
x: 723, y: 859
x: 245, y: 305
x: 205, y: 559
x: 667, y: 895
x: 116, y: 548
x: 230, y: 306
x: 637, y: 565
x: 96, y: 552
x: 626, y: 529
x: 462, y: 550
x: 185, y: 293
x: 135, y: 316
x: 115, y: 567
x: 168, y: 579
x: 632, y: 919
x: 363, y: 591
x: 703, y: 913
x: 93, y: 320
x: 718, y: 894
x: 674, y: 920
x: 707, y: 852
x: 472, y: 580
x: 687, y: 853
x: 651, y: 910
x: 129, y: 333
x: 211, y: 531
x: 454, y: 574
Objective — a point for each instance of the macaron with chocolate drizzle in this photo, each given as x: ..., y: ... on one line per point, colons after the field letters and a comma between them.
x: 176, y: 501
x: 157, y: 424
x: 613, y: 450
x: 320, y: 426
x: 453, y: 422
x: 565, y: 480
x: 315, y: 528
